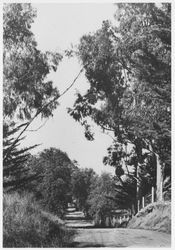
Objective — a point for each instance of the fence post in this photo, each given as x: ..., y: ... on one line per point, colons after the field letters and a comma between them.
x: 143, y: 202
x: 152, y: 194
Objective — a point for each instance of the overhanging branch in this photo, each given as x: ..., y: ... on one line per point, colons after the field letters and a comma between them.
x: 39, y: 111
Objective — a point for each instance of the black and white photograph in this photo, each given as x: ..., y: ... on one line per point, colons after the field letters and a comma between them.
x: 86, y: 124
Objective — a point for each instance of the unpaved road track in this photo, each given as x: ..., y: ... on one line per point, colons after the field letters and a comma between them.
x: 120, y: 237
x: 88, y: 236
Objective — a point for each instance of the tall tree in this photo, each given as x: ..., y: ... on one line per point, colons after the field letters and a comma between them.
x: 146, y: 49
x: 125, y: 67
x: 54, y: 188
x: 100, y: 206
x: 81, y: 182
x: 16, y: 174
x: 25, y: 88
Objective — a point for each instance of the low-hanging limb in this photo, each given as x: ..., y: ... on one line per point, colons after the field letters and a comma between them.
x: 39, y: 111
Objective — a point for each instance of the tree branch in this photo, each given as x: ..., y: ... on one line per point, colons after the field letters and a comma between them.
x: 34, y: 130
x: 105, y: 128
x: 39, y: 111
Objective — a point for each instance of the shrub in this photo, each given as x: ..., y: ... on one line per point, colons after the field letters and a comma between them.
x: 26, y: 225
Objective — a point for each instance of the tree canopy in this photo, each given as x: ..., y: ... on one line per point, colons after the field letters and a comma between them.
x: 100, y: 206
x: 25, y: 68
x: 81, y: 181
x: 54, y: 168
x: 128, y: 66
x: 26, y: 91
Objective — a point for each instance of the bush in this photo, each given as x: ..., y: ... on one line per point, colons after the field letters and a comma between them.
x: 156, y: 216
x: 26, y: 225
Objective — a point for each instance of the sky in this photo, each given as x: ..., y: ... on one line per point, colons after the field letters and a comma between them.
x: 56, y: 27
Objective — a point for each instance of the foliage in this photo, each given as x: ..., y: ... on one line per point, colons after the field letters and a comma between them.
x: 106, y: 81
x: 100, y: 206
x: 25, y: 88
x: 15, y: 172
x: 128, y: 67
x: 81, y: 181
x: 146, y: 49
x: 25, y: 67
x: 26, y: 225
x: 54, y: 188
x: 142, y: 170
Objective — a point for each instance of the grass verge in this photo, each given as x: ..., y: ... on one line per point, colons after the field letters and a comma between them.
x: 156, y: 216
x: 26, y: 225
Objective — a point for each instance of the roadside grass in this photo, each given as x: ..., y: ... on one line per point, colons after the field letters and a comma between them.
x: 26, y: 225
x: 156, y: 216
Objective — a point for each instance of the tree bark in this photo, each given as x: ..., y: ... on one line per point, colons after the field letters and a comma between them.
x: 159, y: 176
x: 159, y: 179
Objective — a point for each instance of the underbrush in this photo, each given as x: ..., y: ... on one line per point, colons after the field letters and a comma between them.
x: 26, y: 225
x: 156, y: 216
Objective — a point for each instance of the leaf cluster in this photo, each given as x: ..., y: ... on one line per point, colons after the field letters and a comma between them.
x: 16, y: 174
x: 128, y: 67
x: 54, y: 189
x: 25, y: 68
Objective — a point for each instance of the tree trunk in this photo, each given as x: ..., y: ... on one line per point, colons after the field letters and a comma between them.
x: 159, y: 179
x: 159, y: 176
x: 137, y: 187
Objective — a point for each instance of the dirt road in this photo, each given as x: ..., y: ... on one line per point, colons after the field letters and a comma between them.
x: 88, y: 236
x: 122, y: 237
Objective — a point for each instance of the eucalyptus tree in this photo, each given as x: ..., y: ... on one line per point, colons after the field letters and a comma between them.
x: 128, y: 66
x: 25, y: 86
x: 26, y: 91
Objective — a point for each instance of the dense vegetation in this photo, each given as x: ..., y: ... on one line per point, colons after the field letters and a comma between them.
x: 26, y: 225
x: 128, y: 66
x: 81, y: 181
x: 100, y: 206
x: 26, y: 92
x: 54, y: 169
x: 26, y: 95
x: 91, y: 193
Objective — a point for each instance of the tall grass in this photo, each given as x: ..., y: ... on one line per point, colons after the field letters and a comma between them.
x: 156, y: 216
x: 26, y: 225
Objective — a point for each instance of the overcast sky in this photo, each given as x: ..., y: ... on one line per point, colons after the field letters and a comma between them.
x: 55, y: 28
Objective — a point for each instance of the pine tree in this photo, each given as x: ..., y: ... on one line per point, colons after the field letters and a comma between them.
x: 15, y: 173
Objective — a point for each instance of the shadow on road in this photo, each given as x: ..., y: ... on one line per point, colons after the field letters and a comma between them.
x: 77, y: 219
x: 90, y: 244
x: 85, y: 244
